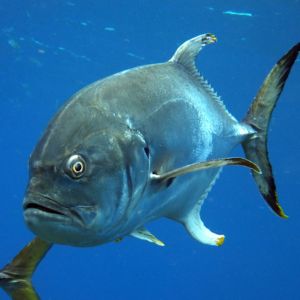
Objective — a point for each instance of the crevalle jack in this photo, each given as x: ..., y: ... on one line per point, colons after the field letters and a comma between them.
x: 143, y: 144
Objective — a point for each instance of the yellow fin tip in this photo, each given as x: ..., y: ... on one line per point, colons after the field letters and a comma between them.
x: 220, y: 240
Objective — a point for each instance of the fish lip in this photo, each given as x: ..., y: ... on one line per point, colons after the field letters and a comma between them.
x: 44, y: 203
x: 49, y: 208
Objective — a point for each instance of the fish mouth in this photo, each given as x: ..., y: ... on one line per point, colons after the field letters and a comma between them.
x: 55, y: 222
x: 38, y: 205
x: 42, y: 208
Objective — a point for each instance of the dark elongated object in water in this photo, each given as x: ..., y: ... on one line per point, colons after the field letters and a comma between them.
x: 259, y: 116
x: 15, y: 278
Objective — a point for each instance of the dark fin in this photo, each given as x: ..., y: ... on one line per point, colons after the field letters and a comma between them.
x: 217, y: 163
x: 258, y: 117
x: 187, y: 52
x: 15, y: 278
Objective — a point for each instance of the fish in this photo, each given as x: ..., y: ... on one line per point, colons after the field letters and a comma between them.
x: 237, y: 13
x: 144, y: 144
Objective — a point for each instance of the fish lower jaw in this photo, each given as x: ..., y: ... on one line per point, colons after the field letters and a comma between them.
x: 60, y: 229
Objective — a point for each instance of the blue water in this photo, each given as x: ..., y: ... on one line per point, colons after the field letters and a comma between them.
x: 50, y: 49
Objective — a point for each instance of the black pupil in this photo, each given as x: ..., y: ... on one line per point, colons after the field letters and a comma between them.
x: 78, y: 167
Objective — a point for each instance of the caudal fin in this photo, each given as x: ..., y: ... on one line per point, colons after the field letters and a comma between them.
x: 258, y: 117
x: 15, y: 278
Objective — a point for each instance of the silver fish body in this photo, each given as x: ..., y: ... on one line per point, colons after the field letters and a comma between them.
x: 92, y: 175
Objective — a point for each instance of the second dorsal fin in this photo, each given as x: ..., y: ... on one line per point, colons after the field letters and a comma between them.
x: 187, y: 52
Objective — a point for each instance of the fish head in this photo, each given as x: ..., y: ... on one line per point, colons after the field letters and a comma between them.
x: 83, y: 180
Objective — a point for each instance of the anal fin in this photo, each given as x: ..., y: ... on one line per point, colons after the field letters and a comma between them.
x: 143, y: 234
x: 196, y: 228
x: 201, y: 233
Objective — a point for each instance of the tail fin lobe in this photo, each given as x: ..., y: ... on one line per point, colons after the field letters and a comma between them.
x: 258, y: 117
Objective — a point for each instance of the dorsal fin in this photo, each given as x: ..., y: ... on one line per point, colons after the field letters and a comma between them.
x: 187, y: 52
x: 186, y: 55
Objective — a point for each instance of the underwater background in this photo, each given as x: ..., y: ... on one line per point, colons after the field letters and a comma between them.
x: 51, y: 49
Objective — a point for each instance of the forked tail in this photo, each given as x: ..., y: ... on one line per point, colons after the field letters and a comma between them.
x: 15, y: 278
x: 258, y: 117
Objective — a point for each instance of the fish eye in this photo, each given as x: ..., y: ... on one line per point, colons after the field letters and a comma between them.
x: 76, y: 166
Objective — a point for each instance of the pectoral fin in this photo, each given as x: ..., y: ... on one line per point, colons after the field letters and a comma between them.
x: 144, y: 234
x: 217, y: 163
